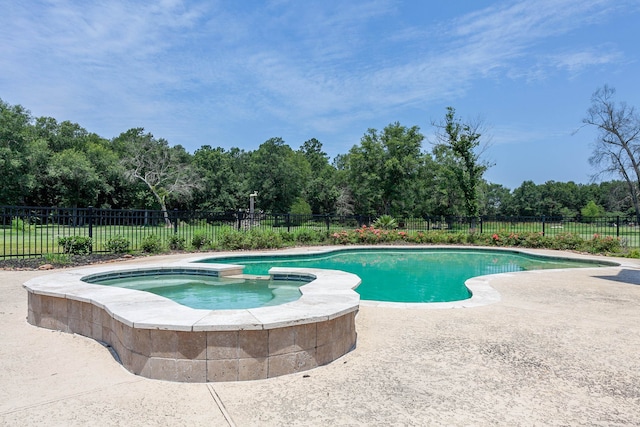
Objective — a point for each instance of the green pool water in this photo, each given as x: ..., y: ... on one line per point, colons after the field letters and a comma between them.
x: 409, y: 275
x: 210, y: 292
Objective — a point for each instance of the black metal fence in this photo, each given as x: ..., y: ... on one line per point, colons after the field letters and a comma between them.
x: 35, y: 231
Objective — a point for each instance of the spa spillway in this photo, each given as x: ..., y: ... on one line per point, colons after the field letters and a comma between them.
x: 157, y: 338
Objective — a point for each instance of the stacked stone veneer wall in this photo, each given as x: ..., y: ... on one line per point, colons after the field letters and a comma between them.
x: 200, y: 356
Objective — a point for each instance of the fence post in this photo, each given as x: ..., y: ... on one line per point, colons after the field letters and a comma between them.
x: 239, y: 219
x: 618, y: 226
x: 328, y: 222
x: 543, y: 226
x: 91, y: 228
x: 480, y: 225
x: 175, y: 220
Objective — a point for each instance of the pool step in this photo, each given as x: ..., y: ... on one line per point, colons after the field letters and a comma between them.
x: 250, y: 276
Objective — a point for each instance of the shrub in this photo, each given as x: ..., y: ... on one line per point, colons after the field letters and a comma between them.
x: 567, y: 241
x: 262, y: 239
x: 151, y: 244
x: 456, y: 238
x: 231, y: 239
x: 75, y: 245
x: 599, y: 244
x: 634, y: 253
x: 536, y: 240
x: 385, y: 222
x: 342, y: 238
x: 176, y: 243
x: 18, y: 224
x: 200, y: 240
x: 473, y: 238
x: 117, y: 245
x: 288, y: 237
x: 255, y: 238
x: 308, y: 235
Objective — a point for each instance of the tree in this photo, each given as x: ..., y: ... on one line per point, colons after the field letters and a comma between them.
x: 224, y: 187
x: 73, y: 179
x: 383, y: 171
x: 493, y: 198
x: 462, y: 142
x: 591, y: 211
x: 617, y: 147
x: 164, y: 170
x: 321, y: 191
x: 526, y: 200
x: 16, y: 150
x: 278, y: 174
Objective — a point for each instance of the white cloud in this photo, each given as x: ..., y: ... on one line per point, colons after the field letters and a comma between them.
x: 577, y: 61
x: 315, y: 65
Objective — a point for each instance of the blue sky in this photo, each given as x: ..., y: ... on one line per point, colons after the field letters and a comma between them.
x: 236, y: 73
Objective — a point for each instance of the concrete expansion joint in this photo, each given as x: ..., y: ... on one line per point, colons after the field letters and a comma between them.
x: 220, y: 404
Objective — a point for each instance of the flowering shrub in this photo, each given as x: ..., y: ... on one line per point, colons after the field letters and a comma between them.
x: 535, y: 240
x: 607, y: 244
x: 341, y: 238
x: 368, y: 235
x: 567, y: 241
x: 563, y: 241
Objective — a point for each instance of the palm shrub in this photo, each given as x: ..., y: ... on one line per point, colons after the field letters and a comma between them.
x: 385, y: 222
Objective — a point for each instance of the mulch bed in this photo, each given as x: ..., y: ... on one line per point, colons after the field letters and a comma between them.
x: 72, y: 261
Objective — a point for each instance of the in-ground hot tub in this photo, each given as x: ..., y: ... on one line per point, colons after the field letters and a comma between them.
x: 158, y: 338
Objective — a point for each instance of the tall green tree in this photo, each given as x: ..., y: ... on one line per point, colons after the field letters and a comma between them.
x: 17, y: 150
x: 224, y: 184
x: 278, y: 174
x: 72, y: 179
x: 462, y: 142
x: 383, y: 170
x: 527, y: 200
x: 493, y: 198
x: 321, y: 191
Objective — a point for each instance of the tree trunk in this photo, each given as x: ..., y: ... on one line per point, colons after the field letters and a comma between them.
x: 163, y: 208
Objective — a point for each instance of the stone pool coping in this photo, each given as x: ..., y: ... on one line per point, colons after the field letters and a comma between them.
x: 157, y: 338
x: 329, y: 295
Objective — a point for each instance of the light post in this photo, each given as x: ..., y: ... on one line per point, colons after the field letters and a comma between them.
x: 252, y: 201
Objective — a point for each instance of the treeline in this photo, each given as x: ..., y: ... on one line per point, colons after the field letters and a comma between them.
x: 49, y: 163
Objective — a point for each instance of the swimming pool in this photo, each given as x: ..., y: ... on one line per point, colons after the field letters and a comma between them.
x: 206, y: 290
x: 409, y: 275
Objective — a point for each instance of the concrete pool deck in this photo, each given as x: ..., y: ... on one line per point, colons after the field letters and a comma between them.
x: 559, y: 348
